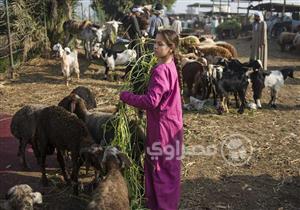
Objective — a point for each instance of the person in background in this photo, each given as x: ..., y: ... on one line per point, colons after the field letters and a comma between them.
x: 259, y: 43
x: 214, y: 25
x: 163, y: 147
x: 176, y: 26
x: 156, y: 21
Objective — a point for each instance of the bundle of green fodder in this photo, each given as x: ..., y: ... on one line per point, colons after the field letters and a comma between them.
x: 136, y: 82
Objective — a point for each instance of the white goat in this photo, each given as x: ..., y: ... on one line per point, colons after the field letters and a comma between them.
x: 69, y: 62
x: 21, y: 197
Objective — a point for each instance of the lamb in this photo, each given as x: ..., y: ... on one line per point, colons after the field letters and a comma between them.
x: 23, y: 126
x: 113, y: 59
x: 62, y: 130
x: 285, y: 40
x: 69, y: 62
x: 21, y: 197
x: 271, y: 79
x: 112, y: 192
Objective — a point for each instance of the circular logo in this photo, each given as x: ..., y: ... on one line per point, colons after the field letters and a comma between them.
x: 236, y: 149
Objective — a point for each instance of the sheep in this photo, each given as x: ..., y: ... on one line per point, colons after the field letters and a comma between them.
x: 94, y: 121
x: 210, y: 52
x: 271, y: 79
x: 189, y: 42
x: 69, y: 62
x: 101, y: 127
x: 62, y: 130
x: 23, y: 126
x: 189, y: 72
x: 229, y: 47
x: 83, y: 92
x: 285, y: 40
x: 296, y: 41
x: 113, y: 59
x: 22, y: 197
x: 112, y: 192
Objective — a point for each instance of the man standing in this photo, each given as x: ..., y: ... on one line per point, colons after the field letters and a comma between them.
x: 259, y: 44
x: 156, y: 21
x: 176, y: 26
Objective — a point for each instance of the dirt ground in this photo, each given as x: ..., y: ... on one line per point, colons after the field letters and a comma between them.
x: 211, y: 180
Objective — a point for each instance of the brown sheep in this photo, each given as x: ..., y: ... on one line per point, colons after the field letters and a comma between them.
x: 229, y: 47
x: 189, y: 72
x: 60, y: 129
x: 112, y: 192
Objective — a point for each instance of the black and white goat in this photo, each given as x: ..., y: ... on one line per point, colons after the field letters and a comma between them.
x: 271, y: 79
x: 113, y: 59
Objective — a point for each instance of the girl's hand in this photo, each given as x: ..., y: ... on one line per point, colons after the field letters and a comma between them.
x: 123, y: 95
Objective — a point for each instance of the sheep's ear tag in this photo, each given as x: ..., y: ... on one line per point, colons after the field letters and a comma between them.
x: 73, y: 106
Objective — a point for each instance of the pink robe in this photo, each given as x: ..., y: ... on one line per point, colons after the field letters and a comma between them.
x: 162, y: 103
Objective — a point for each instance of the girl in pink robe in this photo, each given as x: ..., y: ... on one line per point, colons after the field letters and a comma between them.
x: 162, y: 103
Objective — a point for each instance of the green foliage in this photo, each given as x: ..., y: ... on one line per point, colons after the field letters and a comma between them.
x: 229, y: 25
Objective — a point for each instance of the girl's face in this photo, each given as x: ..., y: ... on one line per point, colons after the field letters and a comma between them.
x: 161, y: 49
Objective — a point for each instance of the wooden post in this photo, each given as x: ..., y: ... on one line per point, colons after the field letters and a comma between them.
x: 81, y: 11
x: 283, y: 9
x: 238, y: 7
x: 11, y: 70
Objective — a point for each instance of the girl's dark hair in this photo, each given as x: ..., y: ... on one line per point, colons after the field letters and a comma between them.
x: 172, y: 40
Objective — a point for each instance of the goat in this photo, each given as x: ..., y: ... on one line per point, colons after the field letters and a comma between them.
x: 85, y: 30
x: 69, y: 62
x: 113, y: 59
x: 271, y: 79
x: 112, y: 192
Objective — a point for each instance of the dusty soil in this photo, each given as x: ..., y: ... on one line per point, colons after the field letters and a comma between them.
x: 269, y: 179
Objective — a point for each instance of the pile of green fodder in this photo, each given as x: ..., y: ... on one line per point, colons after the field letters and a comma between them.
x: 136, y: 82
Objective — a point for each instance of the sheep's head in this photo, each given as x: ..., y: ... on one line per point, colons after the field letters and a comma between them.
x: 113, y: 158
x: 73, y: 103
x: 92, y: 155
x: 22, y: 197
x: 67, y: 50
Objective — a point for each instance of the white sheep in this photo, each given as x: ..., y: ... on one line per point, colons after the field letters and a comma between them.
x: 69, y: 61
x: 112, y: 192
x: 22, y: 197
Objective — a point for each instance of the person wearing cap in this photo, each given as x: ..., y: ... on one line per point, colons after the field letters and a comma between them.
x: 259, y: 43
x: 156, y: 21
x: 176, y: 25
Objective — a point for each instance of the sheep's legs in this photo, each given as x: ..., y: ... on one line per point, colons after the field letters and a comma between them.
x: 273, y: 98
x: 21, y: 152
x: 43, y: 170
x: 61, y: 162
x: 237, y: 104
x: 243, y: 101
x: 77, y: 162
